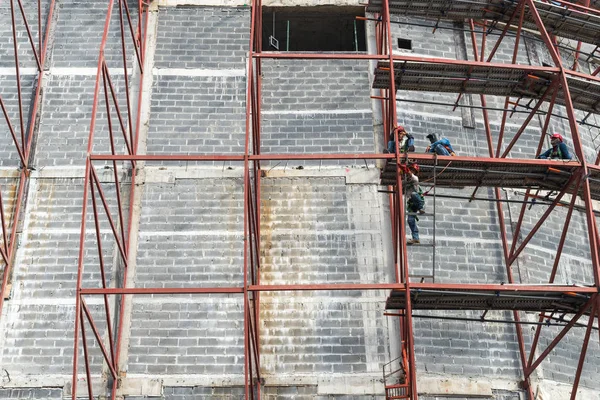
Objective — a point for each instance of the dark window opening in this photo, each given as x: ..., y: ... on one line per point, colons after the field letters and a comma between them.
x: 313, y: 29
x: 404, y: 44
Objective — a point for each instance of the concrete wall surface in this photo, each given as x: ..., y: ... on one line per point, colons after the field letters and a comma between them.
x: 321, y: 221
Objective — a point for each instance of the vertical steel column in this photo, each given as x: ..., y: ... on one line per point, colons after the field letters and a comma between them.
x: 400, y: 213
x: 134, y: 147
x: 250, y: 104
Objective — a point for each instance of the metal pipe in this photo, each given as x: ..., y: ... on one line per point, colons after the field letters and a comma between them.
x: 502, y: 321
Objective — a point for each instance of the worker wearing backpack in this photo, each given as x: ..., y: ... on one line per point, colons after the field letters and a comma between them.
x: 416, y: 201
x: 441, y: 147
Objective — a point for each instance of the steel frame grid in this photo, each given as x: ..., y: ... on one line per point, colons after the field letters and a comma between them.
x: 24, y: 140
x: 252, y: 158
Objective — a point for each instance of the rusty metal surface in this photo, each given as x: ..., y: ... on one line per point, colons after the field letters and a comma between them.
x: 560, y: 21
x: 485, y: 79
x: 460, y: 172
x: 488, y: 300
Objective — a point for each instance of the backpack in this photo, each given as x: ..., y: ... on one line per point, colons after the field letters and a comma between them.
x: 416, y: 201
x: 410, y: 143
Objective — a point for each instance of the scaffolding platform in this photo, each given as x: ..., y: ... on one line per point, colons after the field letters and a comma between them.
x: 459, y: 172
x: 487, y: 79
x: 561, y: 21
x: 467, y: 299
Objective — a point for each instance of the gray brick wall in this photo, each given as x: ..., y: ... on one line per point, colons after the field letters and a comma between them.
x: 440, y: 45
x: 8, y: 90
x: 561, y: 363
x: 79, y: 33
x: 313, y: 85
x: 334, y: 241
x: 468, y: 349
x: 316, y: 334
x: 202, y: 335
x: 50, y: 249
x: 38, y: 340
x: 210, y: 393
x: 191, y: 234
x: 327, y: 243
x: 318, y: 133
x: 202, y: 37
x: 308, y: 392
x: 65, y: 121
x: 197, y: 115
x: 316, y: 107
x: 496, y: 395
x: 36, y: 393
x: 25, y: 53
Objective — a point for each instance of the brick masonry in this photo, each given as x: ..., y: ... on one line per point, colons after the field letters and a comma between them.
x: 9, y: 156
x: 24, y: 50
x: 26, y: 394
x: 314, y: 229
x: 79, y: 30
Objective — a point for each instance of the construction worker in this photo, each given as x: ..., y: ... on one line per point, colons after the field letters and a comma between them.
x: 558, y: 150
x: 406, y: 142
x: 441, y: 147
x: 416, y: 202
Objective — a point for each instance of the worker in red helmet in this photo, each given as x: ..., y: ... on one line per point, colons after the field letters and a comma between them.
x: 406, y: 142
x: 416, y: 201
x: 558, y: 150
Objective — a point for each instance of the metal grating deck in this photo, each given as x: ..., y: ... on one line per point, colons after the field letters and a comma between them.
x: 457, y: 172
x: 491, y: 79
x: 458, y: 299
x: 558, y: 20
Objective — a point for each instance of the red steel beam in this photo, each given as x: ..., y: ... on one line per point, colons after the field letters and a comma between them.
x: 24, y: 153
x: 517, y: 229
x: 559, y: 249
x: 520, y: 6
x: 558, y: 338
x: 250, y: 106
x: 467, y: 288
x: 35, y: 53
x: 488, y: 161
x: 103, y: 274
x: 553, y: 88
x: 115, y: 168
x: 583, y: 353
x: 400, y: 214
x: 541, y: 221
x: 113, y: 227
x: 125, y: 70
x: 142, y: 17
x: 12, y: 132
x: 86, y: 186
x: 17, y: 68
x: 85, y: 356
x: 514, y: 59
x: 109, y: 360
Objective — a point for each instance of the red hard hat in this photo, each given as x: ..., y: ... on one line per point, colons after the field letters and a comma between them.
x: 557, y: 136
x: 414, y: 166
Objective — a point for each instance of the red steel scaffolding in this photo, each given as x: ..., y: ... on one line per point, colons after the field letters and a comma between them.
x: 22, y: 131
x: 546, y: 85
